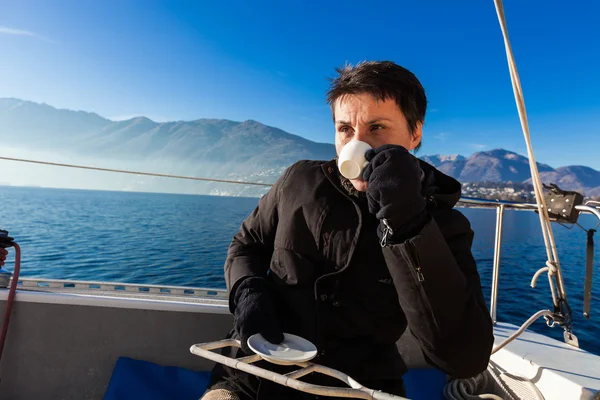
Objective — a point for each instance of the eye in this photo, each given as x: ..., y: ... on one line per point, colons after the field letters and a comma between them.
x: 377, y: 127
x: 344, y: 129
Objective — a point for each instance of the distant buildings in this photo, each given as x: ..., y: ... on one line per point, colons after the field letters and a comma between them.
x: 499, y: 191
x: 504, y: 191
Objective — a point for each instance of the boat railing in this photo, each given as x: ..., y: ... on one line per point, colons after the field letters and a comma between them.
x: 590, y: 207
x: 120, y: 288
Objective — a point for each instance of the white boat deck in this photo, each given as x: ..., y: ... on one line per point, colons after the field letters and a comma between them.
x: 88, y: 325
x: 560, y: 371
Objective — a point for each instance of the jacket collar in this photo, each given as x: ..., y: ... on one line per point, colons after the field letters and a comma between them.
x: 342, y: 184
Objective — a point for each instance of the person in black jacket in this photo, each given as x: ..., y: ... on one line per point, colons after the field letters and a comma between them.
x: 350, y: 264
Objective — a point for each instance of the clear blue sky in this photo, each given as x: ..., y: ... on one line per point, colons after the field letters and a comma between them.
x: 269, y: 61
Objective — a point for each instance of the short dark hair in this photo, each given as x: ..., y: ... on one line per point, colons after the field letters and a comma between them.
x: 384, y: 80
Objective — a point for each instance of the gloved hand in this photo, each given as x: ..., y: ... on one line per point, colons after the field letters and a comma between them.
x: 394, y: 190
x: 255, y: 313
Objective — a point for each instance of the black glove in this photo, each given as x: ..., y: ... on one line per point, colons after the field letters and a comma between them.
x: 255, y: 313
x: 394, y: 192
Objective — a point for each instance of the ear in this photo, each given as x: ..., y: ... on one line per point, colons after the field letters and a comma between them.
x: 416, y: 136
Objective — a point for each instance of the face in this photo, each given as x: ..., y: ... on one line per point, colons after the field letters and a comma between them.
x: 362, y: 117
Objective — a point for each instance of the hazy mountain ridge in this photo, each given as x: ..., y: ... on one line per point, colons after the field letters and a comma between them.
x: 212, y: 148
x: 217, y: 148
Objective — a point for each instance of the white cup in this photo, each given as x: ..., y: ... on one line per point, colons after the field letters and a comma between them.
x: 351, y: 160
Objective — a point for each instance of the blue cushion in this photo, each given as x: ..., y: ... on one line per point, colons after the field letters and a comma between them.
x: 136, y: 379
x: 133, y: 379
x: 424, y: 384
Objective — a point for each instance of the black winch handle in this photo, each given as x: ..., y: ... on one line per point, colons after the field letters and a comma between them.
x: 5, y: 240
x: 589, y: 272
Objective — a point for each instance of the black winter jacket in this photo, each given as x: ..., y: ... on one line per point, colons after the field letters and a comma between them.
x: 335, y: 285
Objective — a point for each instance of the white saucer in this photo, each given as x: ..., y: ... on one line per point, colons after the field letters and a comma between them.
x: 293, y: 349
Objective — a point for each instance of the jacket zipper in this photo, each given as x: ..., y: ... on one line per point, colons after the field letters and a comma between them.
x: 416, y: 264
x: 319, y: 338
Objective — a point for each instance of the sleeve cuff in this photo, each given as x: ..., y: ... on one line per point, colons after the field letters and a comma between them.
x: 409, y: 230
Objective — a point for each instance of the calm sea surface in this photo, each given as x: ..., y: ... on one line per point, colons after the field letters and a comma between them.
x: 183, y: 240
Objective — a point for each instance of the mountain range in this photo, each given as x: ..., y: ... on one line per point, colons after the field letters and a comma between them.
x: 215, y: 148
x: 506, y: 166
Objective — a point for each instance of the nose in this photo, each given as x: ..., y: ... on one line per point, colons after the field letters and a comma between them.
x: 361, y: 135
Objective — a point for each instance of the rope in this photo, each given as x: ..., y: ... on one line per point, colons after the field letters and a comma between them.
x: 551, y: 252
x: 525, y: 325
x: 11, y: 294
x: 123, y: 171
x: 465, y: 389
x: 589, y: 273
x: 462, y: 389
x: 493, y: 384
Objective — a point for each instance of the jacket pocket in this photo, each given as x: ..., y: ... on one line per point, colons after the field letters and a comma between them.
x: 293, y: 268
